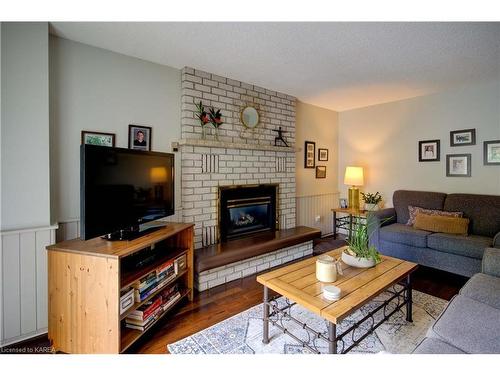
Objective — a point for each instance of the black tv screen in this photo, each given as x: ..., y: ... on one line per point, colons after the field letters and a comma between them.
x: 120, y: 189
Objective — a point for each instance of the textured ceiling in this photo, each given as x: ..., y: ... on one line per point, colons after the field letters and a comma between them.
x: 333, y: 65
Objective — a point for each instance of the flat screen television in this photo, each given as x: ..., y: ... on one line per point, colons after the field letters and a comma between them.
x: 122, y: 189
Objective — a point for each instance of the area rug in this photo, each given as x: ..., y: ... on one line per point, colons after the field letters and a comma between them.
x: 242, y: 333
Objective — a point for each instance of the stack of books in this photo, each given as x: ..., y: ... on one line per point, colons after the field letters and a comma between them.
x: 154, y: 281
x: 147, y: 314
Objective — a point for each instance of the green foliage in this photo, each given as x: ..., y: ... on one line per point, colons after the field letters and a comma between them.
x: 359, y: 242
x: 372, y: 198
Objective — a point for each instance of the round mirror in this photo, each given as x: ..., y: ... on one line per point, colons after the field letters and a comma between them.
x: 250, y: 117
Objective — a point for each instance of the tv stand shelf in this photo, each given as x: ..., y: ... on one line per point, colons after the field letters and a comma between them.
x: 85, y: 279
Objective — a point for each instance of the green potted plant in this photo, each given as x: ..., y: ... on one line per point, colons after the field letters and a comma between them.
x: 371, y: 200
x: 360, y: 253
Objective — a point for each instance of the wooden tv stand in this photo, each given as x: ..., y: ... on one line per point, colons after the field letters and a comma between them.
x: 85, y: 279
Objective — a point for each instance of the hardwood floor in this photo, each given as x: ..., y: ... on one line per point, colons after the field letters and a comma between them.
x: 219, y: 303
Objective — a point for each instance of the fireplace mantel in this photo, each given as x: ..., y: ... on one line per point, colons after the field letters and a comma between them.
x: 240, y: 146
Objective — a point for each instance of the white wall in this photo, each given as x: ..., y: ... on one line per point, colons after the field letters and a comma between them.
x: 95, y: 89
x: 316, y: 197
x: 384, y: 140
x: 25, y: 126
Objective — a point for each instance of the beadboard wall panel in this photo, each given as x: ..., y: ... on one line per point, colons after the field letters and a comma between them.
x: 23, y: 289
x: 311, y: 206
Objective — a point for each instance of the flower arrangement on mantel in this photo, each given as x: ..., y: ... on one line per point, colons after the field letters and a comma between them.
x: 213, y: 116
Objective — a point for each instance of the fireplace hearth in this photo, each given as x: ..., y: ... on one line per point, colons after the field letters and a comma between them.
x: 247, y: 209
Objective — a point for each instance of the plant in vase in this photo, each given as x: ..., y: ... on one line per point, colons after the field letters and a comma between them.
x: 203, y: 116
x: 216, y: 120
x: 371, y: 200
x: 360, y: 253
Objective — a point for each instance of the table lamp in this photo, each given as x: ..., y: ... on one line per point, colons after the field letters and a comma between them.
x: 353, y: 177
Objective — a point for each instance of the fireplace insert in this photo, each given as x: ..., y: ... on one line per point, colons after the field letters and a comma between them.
x: 245, y: 210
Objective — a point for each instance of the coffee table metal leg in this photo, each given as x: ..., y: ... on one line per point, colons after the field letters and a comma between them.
x: 265, y: 320
x: 332, y: 338
x: 409, y: 299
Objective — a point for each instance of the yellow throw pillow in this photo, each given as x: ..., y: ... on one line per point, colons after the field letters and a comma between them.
x: 442, y: 224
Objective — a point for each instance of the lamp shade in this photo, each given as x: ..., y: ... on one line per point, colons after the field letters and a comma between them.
x: 353, y: 176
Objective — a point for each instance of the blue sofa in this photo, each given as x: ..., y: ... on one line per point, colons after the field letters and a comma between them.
x: 453, y: 253
x: 470, y: 323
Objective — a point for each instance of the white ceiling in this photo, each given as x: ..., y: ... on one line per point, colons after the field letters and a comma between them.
x: 333, y: 65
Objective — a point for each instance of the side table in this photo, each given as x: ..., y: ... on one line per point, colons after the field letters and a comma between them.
x: 345, y: 221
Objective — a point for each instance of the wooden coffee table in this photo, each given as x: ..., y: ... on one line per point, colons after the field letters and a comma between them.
x: 298, y: 284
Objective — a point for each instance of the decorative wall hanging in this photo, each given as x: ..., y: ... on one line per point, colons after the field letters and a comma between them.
x: 139, y: 137
x: 322, y: 154
x: 98, y: 138
x: 458, y: 165
x: 321, y: 171
x: 309, y: 154
x: 466, y: 137
x: 250, y: 118
x: 280, y: 140
x: 492, y: 152
x: 429, y: 150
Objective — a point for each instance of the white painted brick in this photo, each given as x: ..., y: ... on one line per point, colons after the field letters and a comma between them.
x: 233, y: 276
x: 249, y: 271
x: 216, y: 282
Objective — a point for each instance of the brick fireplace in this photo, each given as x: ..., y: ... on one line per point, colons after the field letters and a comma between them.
x: 241, y: 158
x: 247, y: 209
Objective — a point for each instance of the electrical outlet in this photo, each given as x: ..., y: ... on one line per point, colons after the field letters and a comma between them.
x: 317, y: 219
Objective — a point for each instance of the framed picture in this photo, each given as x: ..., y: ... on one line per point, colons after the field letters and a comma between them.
x: 322, y: 154
x: 429, y: 150
x: 98, y: 138
x: 309, y: 154
x: 466, y: 137
x: 492, y: 152
x: 139, y: 137
x: 321, y: 171
x: 343, y: 202
x: 458, y: 165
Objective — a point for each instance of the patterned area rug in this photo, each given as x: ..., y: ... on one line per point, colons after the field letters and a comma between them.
x: 242, y: 333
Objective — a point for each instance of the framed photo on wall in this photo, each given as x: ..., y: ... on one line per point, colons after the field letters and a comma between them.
x: 492, y: 152
x: 466, y: 137
x: 98, y: 138
x: 309, y: 154
x: 458, y: 165
x: 139, y: 137
x: 321, y: 171
x: 322, y: 154
x: 429, y: 150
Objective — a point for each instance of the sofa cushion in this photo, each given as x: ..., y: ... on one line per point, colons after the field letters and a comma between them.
x: 483, y: 288
x: 469, y: 325
x: 435, y: 346
x: 401, y: 199
x: 482, y: 210
x: 414, y: 211
x: 442, y: 224
x: 470, y: 246
x: 401, y: 233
